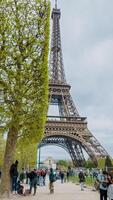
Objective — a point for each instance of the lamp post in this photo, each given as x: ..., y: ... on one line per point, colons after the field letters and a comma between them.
x: 39, y: 154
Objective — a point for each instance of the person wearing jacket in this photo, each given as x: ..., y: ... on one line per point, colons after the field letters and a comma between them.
x: 52, y: 179
x: 81, y: 179
x: 14, y: 176
x: 102, y: 178
x: 110, y: 187
x: 33, y: 180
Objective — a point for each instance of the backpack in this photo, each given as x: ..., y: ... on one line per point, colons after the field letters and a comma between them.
x: 31, y: 175
x: 42, y: 173
x: 52, y: 177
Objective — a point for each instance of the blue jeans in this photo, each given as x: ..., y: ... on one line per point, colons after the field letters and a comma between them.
x: 14, y: 183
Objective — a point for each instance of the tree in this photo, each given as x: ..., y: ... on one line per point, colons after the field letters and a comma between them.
x: 89, y: 164
x: 62, y: 163
x: 108, y: 162
x: 2, y: 149
x: 24, y: 41
x: 101, y: 163
x: 26, y: 155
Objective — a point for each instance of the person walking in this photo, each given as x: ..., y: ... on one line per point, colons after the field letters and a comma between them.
x: 44, y: 177
x: 51, y: 180
x: 81, y: 179
x: 67, y: 175
x: 102, y: 178
x: 110, y: 187
x: 41, y: 177
x: 33, y: 181
x: 62, y: 176
x: 14, y: 176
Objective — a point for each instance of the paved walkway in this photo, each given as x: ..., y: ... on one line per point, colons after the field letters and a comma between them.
x: 66, y: 191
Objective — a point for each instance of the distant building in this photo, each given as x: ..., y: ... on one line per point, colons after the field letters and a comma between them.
x: 49, y: 162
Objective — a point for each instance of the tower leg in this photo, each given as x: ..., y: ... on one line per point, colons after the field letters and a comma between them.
x: 76, y: 153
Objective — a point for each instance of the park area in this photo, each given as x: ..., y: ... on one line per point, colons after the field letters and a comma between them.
x: 66, y: 191
x: 37, y: 109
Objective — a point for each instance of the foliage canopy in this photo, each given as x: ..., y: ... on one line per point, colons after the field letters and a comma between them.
x: 108, y: 162
x: 62, y: 163
x: 24, y: 46
x: 24, y: 35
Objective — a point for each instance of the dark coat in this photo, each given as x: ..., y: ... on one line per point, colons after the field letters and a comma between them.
x: 81, y: 177
x: 13, y: 170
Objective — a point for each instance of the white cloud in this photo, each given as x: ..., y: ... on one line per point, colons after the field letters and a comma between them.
x: 99, y: 57
x: 102, y: 123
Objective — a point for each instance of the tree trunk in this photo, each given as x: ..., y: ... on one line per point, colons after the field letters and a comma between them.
x: 5, y: 187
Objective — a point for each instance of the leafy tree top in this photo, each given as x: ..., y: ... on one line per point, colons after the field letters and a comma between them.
x: 62, y: 163
x: 24, y: 41
x: 108, y: 162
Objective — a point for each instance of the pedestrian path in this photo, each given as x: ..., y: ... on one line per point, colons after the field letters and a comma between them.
x: 66, y: 191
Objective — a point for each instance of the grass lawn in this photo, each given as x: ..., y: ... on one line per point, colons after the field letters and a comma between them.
x: 88, y: 180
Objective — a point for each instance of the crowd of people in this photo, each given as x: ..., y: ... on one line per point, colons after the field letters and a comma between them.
x: 33, y: 178
x: 103, y: 183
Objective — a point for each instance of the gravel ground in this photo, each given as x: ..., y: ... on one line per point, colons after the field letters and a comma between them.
x: 66, y: 191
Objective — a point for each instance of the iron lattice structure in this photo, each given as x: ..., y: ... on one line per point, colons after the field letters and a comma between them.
x: 68, y: 130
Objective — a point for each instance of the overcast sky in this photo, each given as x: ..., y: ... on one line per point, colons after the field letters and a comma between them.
x: 87, y: 43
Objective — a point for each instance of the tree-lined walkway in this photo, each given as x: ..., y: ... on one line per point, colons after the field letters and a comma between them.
x: 66, y: 191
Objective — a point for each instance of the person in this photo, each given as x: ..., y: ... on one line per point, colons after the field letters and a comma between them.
x: 44, y: 177
x: 51, y: 180
x: 20, y: 188
x: 14, y: 176
x: 41, y: 177
x: 102, y: 178
x: 22, y: 176
x: 33, y: 181
x: 96, y: 184
x: 27, y: 176
x: 67, y: 175
x: 81, y: 179
x: 110, y: 187
x: 62, y: 176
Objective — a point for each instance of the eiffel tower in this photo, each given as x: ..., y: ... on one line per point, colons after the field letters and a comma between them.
x: 68, y: 130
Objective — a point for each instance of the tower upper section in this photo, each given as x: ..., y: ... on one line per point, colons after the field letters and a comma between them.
x: 56, y: 68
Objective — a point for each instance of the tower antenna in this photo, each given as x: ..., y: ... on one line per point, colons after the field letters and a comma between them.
x: 55, y: 4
